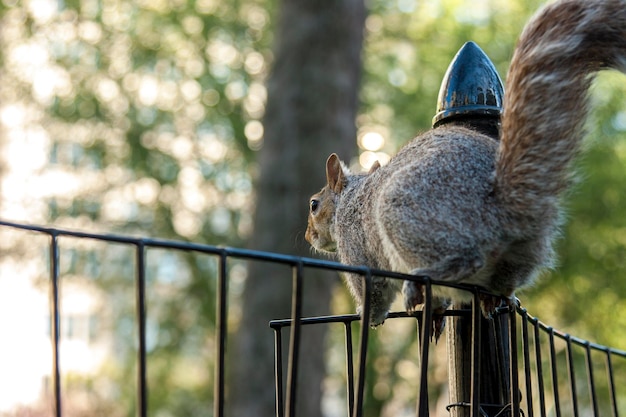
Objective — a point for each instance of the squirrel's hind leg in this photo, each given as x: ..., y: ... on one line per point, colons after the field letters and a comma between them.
x: 490, y: 303
x: 413, y: 295
x: 453, y: 268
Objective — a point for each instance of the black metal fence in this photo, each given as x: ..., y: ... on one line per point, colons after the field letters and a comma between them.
x: 546, y: 372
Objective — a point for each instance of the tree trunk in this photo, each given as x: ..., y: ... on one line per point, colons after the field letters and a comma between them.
x: 311, y: 111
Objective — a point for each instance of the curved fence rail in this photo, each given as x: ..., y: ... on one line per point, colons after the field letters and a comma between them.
x: 544, y: 372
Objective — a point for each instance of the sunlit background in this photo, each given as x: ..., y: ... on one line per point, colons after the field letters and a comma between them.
x: 145, y: 118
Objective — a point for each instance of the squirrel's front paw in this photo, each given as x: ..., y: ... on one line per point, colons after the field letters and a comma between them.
x: 376, y: 317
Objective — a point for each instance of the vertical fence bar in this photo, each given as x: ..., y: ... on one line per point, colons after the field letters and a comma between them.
x: 476, y: 351
x: 541, y: 387
x: 571, y: 374
x: 278, y: 370
x: 140, y: 292
x: 365, y: 325
x: 349, y: 368
x: 294, y: 340
x: 427, y: 322
x: 458, y: 344
x: 555, y: 377
x: 527, y: 374
x: 515, y: 393
x: 220, y: 336
x: 592, y: 384
x: 55, y: 322
x: 609, y: 370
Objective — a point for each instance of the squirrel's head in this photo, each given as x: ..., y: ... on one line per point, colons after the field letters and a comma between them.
x: 322, y: 206
x: 319, y: 232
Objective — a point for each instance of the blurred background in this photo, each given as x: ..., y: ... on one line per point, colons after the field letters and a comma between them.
x: 210, y: 121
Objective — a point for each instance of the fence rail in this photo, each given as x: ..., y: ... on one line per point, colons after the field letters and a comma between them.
x: 534, y: 352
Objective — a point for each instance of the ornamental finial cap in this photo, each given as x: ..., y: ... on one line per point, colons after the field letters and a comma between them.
x: 471, y: 87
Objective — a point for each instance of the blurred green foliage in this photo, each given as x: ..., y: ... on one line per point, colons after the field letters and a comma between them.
x: 144, y: 117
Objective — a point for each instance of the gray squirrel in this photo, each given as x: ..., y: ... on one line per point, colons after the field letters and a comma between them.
x: 459, y: 206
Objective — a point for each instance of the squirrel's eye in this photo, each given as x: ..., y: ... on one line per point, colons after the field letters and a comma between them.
x: 314, y: 205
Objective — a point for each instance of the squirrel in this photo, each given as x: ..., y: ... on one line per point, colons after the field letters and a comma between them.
x: 459, y: 206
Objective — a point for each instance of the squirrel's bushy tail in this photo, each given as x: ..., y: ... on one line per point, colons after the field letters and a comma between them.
x: 545, y: 102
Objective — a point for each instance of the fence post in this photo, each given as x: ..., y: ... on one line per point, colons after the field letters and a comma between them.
x: 471, y: 95
x: 493, y: 374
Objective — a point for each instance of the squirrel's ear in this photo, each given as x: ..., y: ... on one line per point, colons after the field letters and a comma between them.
x: 335, y: 173
x: 374, y: 167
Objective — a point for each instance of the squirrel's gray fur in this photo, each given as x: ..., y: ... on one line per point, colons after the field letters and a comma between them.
x: 459, y: 206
